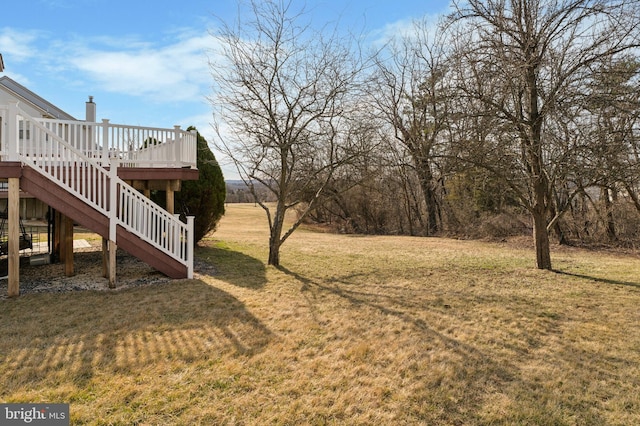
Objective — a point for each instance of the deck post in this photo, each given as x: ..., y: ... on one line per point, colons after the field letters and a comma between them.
x: 105, y: 142
x: 68, y: 247
x: 113, y: 221
x: 13, y: 248
x: 105, y: 258
x: 177, y: 148
x: 62, y: 237
x: 193, y: 160
x: 112, y: 263
x: 57, y: 235
x: 113, y: 200
x: 190, y: 245
x: 170, y: 198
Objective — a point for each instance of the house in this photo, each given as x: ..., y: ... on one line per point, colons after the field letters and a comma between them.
x: 98, y: 175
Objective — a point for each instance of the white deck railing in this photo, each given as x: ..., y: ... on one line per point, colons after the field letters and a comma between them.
x: 132, y: 146
x: 73, y: 162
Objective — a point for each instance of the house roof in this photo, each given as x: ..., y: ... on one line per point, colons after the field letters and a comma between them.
x: 48, y: 109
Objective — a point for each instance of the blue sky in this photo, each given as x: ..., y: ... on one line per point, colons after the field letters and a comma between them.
x: 145, y: 62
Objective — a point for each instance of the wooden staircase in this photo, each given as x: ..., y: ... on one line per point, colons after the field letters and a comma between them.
x: 66, y: 203
x: 78, y: 186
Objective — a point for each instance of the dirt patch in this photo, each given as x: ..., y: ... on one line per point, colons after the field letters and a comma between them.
x: 130, y: 272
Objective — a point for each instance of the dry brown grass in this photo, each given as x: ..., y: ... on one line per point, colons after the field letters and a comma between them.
x: 351, y: 330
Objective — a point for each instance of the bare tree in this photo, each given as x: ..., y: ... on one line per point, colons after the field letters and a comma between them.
x: 524, y: 61
x: 613, y: 103
x: 410, y: 90
x: 282, y: 93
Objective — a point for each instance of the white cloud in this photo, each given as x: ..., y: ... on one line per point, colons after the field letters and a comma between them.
x: 25, y: 81
x: 168, y: 73
x: 202, y: 122
x: 18, y: 45
x: 171, y: 70
x: 404, y: 28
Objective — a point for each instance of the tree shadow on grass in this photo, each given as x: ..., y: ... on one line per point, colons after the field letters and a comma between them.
x: 478, y: 376
x: 67, y: 339
x: 597, y: 279
x: 234, y: 267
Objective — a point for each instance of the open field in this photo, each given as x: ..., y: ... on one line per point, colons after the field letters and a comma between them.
x: 351, y: 330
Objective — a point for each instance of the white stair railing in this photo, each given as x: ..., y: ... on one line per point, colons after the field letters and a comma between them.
x: 81, y: 174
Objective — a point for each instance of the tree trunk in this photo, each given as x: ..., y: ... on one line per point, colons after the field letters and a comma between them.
x: 274, y: 252
x: 539, y: 183
x: 634, y: 196
x: 276, y: 234
x: 562, y: 237
x: 608, y: 208
x: 430, y: 198
x: 541, y: 240
x: 432, y: 209
x: 540, y: 226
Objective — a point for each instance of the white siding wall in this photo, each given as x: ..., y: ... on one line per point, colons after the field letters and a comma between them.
x: 5, y: 97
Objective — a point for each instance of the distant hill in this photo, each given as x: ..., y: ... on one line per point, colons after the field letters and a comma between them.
x: 235, y: 184
x: 238, y: 192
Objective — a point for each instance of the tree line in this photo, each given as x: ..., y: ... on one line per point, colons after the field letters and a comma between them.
x: 505, y: 117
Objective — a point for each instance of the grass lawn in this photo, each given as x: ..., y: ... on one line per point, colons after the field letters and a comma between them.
x: 351, y: 330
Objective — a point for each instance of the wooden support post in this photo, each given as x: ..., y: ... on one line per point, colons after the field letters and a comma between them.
x: 62, y: 249
x: 170, y: 197
x: 57, y: 235
x: 13, y: 248
x: 68, y: 247
x: 105, y: 258
x: 146, y: 189
x: 112, y: 264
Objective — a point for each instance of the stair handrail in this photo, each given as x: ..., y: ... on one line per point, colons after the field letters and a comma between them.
x: 88, y: 180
